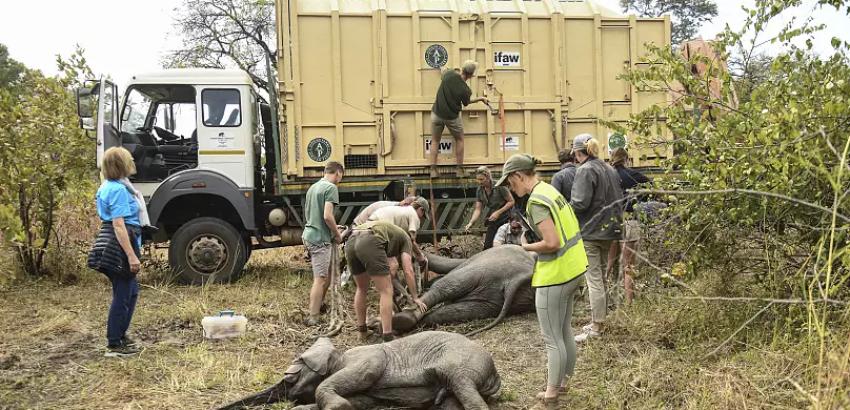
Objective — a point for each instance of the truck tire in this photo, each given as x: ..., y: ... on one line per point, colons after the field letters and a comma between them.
x: 206, y: 250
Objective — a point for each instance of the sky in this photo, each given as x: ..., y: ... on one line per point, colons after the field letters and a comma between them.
x: 123, y: 37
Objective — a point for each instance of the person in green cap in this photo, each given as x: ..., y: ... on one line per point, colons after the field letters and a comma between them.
x: 561, y: 261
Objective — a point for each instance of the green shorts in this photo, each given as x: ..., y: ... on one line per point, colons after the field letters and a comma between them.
x: 366, y: 253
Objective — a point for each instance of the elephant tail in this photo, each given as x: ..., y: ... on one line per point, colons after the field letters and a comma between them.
x: 271, y: 395
x: 510, y: 294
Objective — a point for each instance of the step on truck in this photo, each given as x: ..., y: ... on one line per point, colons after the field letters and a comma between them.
x: 224, y: 167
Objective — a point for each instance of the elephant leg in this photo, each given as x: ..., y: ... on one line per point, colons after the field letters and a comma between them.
x: 450, y: 403
x: 460, y: 312
x: 350, y: 380
x: 466, y: 393
x: 364, y: 402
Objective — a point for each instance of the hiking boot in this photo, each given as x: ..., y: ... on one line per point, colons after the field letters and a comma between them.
x: 387, y: 337
x: 363, y: 333
x: 121, y: 350
x: 587, y: 335
x: 126, y: 341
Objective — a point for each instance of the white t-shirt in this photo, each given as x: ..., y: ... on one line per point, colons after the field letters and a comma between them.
x: 364, y: 215
x: 404, y: 217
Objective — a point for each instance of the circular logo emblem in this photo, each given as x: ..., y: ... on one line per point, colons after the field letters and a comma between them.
x: 436, y: 56
x: 319, y: 149
x: 617, y: 140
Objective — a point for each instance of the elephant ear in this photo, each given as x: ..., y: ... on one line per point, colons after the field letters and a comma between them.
x: 318, y: 356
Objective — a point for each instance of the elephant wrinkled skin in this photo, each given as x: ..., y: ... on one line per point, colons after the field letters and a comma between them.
x: 428, y: 370
x: 491, y: 284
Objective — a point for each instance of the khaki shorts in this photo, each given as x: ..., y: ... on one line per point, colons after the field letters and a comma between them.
x: 631, y: 230
x: 366, y: 253
x: 438, y: 124
x: 320, y: 258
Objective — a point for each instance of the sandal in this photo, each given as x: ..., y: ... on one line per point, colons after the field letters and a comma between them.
x: 547, y: 403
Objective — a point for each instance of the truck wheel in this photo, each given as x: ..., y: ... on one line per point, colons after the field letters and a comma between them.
x: 206, y: 250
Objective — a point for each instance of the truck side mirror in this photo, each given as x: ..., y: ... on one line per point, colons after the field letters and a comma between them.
x: 86, y: 107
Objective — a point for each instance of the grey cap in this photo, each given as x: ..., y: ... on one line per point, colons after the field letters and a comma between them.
x: 580, y: 141
x: 517, y: 162
x: 423, y: 203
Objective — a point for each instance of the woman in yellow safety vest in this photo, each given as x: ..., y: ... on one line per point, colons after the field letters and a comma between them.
x: 561, y: 260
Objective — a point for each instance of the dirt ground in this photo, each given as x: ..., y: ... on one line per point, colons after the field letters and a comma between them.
x: 52, y: 345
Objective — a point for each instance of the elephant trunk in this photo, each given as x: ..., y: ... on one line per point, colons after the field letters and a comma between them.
x: 510, y: 293
x: 273, y: 394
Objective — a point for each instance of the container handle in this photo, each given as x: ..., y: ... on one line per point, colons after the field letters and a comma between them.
x: 227, y: 313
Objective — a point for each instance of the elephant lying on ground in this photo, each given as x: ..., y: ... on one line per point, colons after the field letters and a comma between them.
x: 493, y: 283
x: 428, y: 370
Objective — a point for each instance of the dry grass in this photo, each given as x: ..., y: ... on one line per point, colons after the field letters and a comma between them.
x: 52, y: 345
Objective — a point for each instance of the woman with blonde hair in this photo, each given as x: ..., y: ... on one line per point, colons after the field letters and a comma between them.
x: 119, y: 212
x: 493, y: 202
x: 596, y: 198
x: 560, y: 262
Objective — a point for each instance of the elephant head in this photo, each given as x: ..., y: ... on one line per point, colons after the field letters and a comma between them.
x: 305, y: 374
x: 300, y: 380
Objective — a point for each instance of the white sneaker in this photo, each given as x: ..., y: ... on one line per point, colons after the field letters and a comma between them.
x: 586, y: 328
x: 587, y: 335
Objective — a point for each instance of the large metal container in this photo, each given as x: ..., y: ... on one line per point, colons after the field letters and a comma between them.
x: 358, y: 78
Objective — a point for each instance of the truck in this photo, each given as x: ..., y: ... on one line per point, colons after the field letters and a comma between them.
x: 224, y: 167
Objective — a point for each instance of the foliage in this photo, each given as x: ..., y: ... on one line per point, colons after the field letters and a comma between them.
x: 226, y: 33
x: 779, y: 163
x: 43, y: 154
x: 10, y: 70
x: 687, y: 15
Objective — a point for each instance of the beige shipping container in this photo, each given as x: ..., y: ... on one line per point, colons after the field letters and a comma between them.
x: 357, y: 79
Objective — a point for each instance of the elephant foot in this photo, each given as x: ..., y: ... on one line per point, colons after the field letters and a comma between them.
x: 404, y: 321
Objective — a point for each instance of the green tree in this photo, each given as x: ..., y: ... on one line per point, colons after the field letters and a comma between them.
x: 226, y: 34
x: 687, y: 15
x: 10, y: 70
x: 763, y: 189
x: 43, y: 154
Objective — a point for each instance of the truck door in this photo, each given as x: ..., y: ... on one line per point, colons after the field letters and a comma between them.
x: 97, y: 107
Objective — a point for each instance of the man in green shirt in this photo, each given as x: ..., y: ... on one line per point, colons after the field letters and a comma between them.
x: 452, y: 96
x: 368, y: 250
x: 321, y: 233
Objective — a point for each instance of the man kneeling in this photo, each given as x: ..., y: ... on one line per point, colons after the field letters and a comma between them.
x: 368, y: 251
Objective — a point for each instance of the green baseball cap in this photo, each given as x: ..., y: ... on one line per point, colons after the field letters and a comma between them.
x: 517, y: 162
x: 423, y: 203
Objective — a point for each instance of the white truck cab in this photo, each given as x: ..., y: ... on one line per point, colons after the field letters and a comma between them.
x: 195, y: 136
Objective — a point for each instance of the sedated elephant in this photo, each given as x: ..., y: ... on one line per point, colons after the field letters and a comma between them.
x: 491, y: 284
x: 428, y: 370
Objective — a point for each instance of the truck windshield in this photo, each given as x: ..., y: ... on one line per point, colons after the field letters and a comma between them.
x: 135, y: 111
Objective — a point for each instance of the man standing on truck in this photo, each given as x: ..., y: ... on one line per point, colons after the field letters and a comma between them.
x: 321, y: 233
x: 452, y: 96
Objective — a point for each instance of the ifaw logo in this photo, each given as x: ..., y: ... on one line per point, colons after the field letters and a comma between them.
x: 506, y: 59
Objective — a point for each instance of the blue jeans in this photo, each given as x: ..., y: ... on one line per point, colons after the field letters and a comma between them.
x: 125, y: 292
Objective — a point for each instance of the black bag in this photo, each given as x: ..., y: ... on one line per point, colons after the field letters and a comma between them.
x: 106, y: 255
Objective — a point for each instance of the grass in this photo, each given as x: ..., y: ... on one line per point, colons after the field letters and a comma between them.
x: 653, y: 355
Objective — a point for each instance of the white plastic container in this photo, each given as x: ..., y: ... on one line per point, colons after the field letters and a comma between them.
x: 226, y: 324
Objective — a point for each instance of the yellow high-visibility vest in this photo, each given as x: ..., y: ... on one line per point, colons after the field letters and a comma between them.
x: 570, y: 260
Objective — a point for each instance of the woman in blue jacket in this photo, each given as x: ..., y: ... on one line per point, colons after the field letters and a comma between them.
x: 117, y: 205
